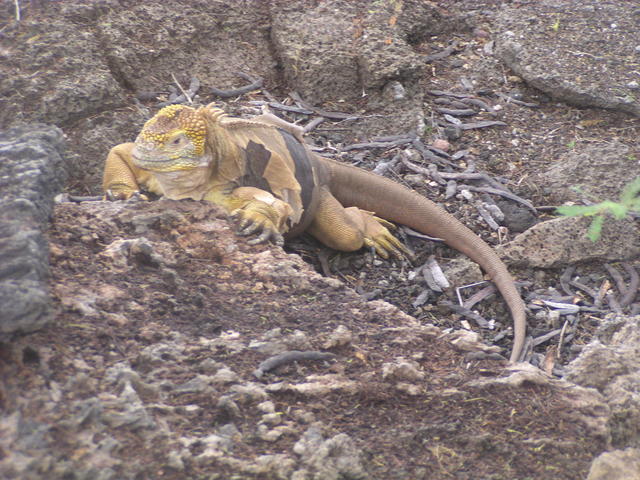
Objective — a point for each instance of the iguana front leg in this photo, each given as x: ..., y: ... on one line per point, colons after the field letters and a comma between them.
x: 122, y: 179
x: 257, y: 212
x: 349, y: 229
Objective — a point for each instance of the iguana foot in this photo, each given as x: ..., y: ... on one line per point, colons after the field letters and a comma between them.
x: 378, y: 237
x: 349, y: 229
x: 112, y: 194
x: 252, y: 221
x: 259, y: 212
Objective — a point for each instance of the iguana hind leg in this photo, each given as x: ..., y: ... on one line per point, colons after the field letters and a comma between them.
x: 349, y: 229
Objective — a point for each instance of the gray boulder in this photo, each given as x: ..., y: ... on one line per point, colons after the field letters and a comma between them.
x: 32, y: 171
x: 582, y: 68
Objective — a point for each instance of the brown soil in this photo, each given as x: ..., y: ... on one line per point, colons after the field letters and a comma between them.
x: 449, y: 429
x: 109, y: 314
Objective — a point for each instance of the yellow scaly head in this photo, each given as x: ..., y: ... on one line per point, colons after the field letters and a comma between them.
x: 174, y: 139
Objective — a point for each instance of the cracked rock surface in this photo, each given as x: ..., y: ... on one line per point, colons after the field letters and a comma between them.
x: 154, y: 320
x: 32, y: 171
x: 148, y: 370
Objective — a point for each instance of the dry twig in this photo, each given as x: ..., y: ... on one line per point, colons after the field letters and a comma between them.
x: 290, y: 357
x: 480, y: 295
x: 442, y: 54
x: 457, y: 112
x: 256, y: 84
x: 515, y: 101
x: 503, y: 193
x: 634, y: 283
x: 465, y: 312
x: 565, y: 278
x: 617, y: 277
x: 482, y: 124
x: 442, y: 93
x: 360, y: 146
x: 184, y: 92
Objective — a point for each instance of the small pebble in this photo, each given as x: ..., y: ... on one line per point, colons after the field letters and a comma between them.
x: 442, y: 144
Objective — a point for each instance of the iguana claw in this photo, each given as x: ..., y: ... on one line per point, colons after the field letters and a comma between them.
x: 138, y: 197
x: 384, y: 243
x: 251, y: 222
x: 135, y: 195
x: 265, y: 236
x: 246, y: 228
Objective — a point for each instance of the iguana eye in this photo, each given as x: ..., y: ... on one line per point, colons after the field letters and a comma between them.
x: 176, y: 141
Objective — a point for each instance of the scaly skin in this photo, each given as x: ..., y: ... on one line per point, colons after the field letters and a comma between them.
x: 266, y: 178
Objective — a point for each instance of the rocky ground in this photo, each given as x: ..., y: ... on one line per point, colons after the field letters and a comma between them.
x: 147, y: 345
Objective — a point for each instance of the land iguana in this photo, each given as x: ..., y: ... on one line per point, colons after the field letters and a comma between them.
x: 262, y: 172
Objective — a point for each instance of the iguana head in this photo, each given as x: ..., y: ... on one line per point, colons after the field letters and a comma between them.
x: 173, y: 140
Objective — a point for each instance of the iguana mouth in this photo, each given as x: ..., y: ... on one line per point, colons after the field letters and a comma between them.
x: 153, y: 160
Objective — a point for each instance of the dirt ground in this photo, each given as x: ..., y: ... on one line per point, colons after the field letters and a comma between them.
x: 110, y: 313
x: 196, y: 283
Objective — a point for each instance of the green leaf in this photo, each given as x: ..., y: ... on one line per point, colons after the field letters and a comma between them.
x: 630, y: 191
x: 618, y: 210
x: 579, y: 210
x: 595, y: 229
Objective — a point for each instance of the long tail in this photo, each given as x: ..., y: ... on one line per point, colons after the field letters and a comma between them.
x: 356, y: 187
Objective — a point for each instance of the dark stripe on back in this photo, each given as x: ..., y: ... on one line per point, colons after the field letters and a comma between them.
x: 303, y: 168
x: 256, y: 160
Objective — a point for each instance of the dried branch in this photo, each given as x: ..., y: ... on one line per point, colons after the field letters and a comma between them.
x: 313, y: 124
x: 442, y: 93
x: 503, y: 193
x: 254, y: 85
x: 186, y: 95
x: 480, y: 104
x: 634, y: 283
x: 454, y: 120
x: 174, y: 98
x: 428, y: 155
x: 487, y: 217
x: 451, y: 189
x: 613, y: 303
x: 459, y: 154
x: 65, y: 197
x: 515, y: 101
x: 283, y: 107
x: 360, y: 146
x: 413, y: 233
x: 617, y: 277
x: 588, y: 290
x: 383, y: 167
x: 473, y: 176
x: 547, y: 336
x: 565, y: 278
x: 434, y: 276
x: 457, y: 112
x: 562, y: 338
x: 319, y: 111
x: 482, y: 124
x: 562, y: 308
x: 480, y: 295
x: 393, y: 138
x: 465, y: 312
x: 442, y: 54
x: 290, y: 357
